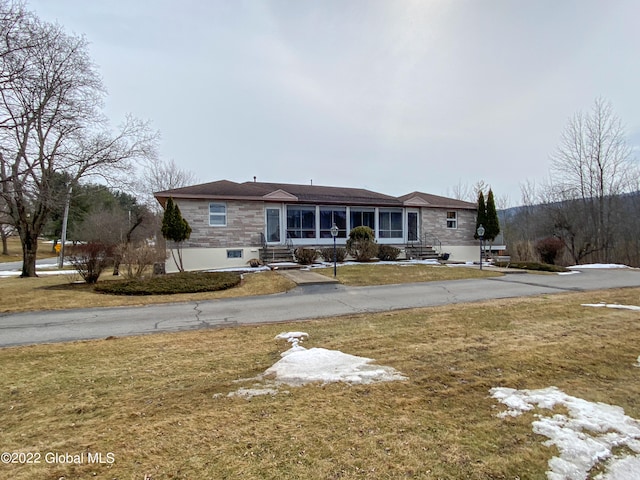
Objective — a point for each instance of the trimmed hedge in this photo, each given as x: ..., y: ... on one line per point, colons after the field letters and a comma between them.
x: 184, y: 282
x: 536, y: 266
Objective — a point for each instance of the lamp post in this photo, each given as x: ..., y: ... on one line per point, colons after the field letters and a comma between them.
x: 334, y: 234
x: 480, y: 233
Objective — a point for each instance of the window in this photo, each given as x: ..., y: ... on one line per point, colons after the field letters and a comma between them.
x: 234, y: 253
x: 363, y: 218
x: 452, y: 219
x: 301, y: 222
x: 217, y: 214
x: 390, y: 223
x: 329, y: 216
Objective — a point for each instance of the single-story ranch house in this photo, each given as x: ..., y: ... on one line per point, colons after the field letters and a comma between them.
x: 233, y: 223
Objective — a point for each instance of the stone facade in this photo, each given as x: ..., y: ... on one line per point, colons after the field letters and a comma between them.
x: 434, y: 222
x: 244, y: 223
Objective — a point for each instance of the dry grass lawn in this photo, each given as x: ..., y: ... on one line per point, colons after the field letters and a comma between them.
x: 380, y: 274
x: 159, y: 403
x: 56, y: 292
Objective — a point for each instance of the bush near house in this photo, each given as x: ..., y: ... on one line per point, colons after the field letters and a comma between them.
x: 305, y: 256
x: 327, y: 254
x: 361, y: 244
x: 388, y: 253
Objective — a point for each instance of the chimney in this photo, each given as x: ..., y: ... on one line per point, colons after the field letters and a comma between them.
x: 254, y: 179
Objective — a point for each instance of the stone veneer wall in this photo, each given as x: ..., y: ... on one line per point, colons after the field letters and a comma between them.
x: 245, y: 221
x: 434, y: 222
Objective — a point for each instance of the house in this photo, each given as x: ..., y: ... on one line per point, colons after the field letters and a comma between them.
x: 235, y: 222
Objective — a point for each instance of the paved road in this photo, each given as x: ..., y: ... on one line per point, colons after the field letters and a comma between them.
x: 299, y: 304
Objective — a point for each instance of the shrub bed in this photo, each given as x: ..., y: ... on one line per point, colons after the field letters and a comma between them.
x: 184, y: 282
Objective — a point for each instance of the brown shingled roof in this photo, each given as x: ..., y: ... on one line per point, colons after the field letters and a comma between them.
x: 437, y: 201
x: 313, y: 194
x: 316, y: 194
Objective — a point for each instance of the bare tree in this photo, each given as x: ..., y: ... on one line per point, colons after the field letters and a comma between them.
x: 159, y: 175
x: 590, y: 169
x: 50, y: 122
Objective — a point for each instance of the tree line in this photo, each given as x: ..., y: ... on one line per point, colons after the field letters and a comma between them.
x: 588, y: 210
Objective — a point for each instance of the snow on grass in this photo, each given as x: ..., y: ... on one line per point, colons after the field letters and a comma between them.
x: 599, y: 265
x: 585, y: 438
x: 299, y: 366
x: 611, y: 305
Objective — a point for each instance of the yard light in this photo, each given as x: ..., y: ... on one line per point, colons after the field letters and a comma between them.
x: 334, y: 234
x: 480, y: 233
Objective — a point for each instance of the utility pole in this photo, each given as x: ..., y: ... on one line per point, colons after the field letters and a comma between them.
x: 65, y: 219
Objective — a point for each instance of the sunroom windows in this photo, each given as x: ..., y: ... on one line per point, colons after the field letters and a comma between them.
x: 308, y: 224
x: 331, y: 215
x: 390, y: 223
x: 301, y: 222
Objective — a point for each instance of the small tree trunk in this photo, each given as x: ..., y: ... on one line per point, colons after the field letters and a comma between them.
x: 5, y: 247
x: 29, y: 253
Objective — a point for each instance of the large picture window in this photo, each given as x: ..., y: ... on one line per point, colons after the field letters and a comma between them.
x: 217, y: 214
x: 363, y: 218
x: 329, y: 216
x: 301, y: 222
x: 390, y: 223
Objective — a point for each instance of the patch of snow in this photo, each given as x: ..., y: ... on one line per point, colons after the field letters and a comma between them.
x: 304, y: 366
x: 599, y: 265
x: 39, y: 271
x: 611, y: 305
x: 253, y: 392
x: 299, y: 366
x: 585, y: 437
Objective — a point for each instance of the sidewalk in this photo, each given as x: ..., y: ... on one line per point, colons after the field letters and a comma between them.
x: 307, y: 277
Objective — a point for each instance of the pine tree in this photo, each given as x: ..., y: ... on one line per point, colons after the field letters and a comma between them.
x: 481, y: 219
x: 492, y: 225
x: 176, y: 229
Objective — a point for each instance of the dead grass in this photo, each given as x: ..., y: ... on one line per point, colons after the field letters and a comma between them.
x: 57, y: 292
x: 15, y: 251
x: 159, y: 403
x: 380, y: 274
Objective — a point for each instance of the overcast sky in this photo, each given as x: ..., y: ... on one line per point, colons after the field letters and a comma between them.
x: 390, y: 95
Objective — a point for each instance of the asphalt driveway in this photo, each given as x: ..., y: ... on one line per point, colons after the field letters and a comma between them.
x: 302, y: 303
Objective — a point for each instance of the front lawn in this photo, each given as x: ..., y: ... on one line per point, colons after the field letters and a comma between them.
x: 158, y: 406
x: 385, y: 274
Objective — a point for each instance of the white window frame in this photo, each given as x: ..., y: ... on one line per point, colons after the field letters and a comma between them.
x: 218, y: 214
x: 452, y: 222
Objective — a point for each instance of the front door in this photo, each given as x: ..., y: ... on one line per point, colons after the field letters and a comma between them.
x: 412, y: 226
x: 273, y: 225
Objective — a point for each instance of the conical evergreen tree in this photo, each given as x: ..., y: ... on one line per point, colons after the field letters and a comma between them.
x: 492, y: 225
x: 176, y: 229
x: 481, y: 219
